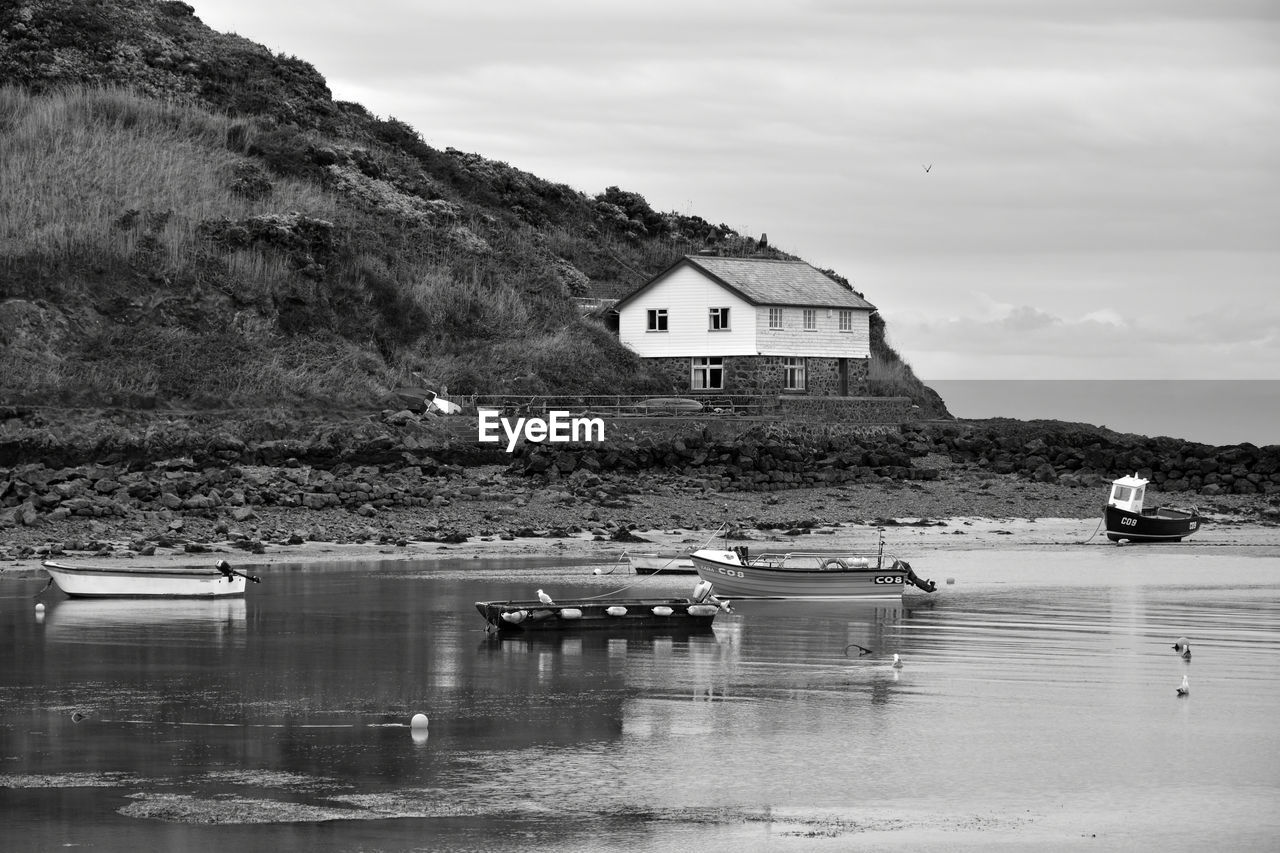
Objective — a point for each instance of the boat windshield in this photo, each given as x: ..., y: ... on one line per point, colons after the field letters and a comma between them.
x: 1120, y: 494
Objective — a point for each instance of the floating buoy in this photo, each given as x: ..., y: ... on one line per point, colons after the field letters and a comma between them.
x: 419, y: 721
x: 570, y: 613
x: 897, y: 661
x: 515, y: 617
x: 662, y: 610
x: 596, y: 572
x: 616, y: 610
x: 39, y: 607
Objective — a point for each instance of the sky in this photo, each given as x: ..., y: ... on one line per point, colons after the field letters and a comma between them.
x: 1024, y: 188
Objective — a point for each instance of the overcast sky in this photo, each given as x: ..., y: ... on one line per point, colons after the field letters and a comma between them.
x: 1103, y: 191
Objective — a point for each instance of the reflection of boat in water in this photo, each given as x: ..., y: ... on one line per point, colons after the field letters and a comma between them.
x: 806, y: 575
x: 1127, y: 518
x: 130, y: 619
x: 127, y: 580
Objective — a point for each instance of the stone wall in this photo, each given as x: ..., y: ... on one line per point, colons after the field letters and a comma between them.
x: 764, y: 374
x: 846, y: 410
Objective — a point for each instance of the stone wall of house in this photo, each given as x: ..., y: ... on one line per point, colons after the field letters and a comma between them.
x: 764, y: 374
x: 847, y: 410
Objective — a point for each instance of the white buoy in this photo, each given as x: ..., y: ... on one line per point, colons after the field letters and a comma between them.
x: 39, y: 607
x: 570, y: 613
x: 662, y: 610
x: 616, y: 610
x: 419, y: 721
x: 897, y: 661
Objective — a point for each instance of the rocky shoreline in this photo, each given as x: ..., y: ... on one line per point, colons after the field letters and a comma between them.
x: 117, y: 486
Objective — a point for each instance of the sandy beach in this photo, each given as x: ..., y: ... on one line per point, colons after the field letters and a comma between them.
x: 958, y: 513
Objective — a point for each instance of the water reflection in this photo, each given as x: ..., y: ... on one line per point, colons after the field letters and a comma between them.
x: 135, y: 621
x: 785, y: 723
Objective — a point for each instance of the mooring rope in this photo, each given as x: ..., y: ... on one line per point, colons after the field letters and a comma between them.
x: 643, y: 578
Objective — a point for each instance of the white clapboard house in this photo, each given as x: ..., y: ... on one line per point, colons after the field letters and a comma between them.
x: 749, y: 326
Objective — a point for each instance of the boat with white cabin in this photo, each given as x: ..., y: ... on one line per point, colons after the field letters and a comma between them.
x: 1128, y: 520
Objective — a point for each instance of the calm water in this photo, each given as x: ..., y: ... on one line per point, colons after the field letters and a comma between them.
x: 1036, y: 708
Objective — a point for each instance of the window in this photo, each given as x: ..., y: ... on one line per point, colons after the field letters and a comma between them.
x: 775, y: 318
x: 810, y: 319
x: 846, y: 319
x: 718, y: 319
x: 657, y: 320
x: 793, y: 374
x: 708, y: 373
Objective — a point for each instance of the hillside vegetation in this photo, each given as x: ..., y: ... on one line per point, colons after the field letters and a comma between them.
x: 189, y: 220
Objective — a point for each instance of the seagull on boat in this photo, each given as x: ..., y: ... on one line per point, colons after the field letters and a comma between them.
x: 897, y: 661
x: 544, y: 598
x: 1185, y: 687
x: 1183, y: 647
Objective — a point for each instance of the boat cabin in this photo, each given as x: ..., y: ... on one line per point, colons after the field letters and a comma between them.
x: 1127, y: 494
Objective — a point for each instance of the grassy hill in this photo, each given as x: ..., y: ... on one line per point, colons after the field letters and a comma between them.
x: 191, y: 220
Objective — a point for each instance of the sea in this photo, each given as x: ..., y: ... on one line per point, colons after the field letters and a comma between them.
x: 1036, y: 707
x: 1214, y: 412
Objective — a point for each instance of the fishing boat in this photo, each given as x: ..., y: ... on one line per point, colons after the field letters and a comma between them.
x: 125, y: 580
x: 827, y: 575
x: 1128, y: 520
x: 665, y: 564
x: 652, y: 615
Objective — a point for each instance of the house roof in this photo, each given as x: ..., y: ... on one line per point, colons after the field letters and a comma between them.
x: 766, y: 282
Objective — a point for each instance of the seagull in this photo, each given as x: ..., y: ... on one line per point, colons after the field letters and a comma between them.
x: 78, y: 716
x: 1183, y: 647
x: 1185, y: 687
x: 927, y: 168
x: 544, y: 598
x: 897, y: 661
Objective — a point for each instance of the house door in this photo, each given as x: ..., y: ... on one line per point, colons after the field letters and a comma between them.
x: 844, y: 377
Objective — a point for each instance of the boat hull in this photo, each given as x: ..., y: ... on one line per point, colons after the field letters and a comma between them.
x: 1159, y: 525
x: 674, y: 615
x: 665, y: 564
x: 144, y: 581
x: 731, y: 578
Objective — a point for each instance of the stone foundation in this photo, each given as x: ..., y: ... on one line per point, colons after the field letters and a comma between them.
x: 765, y: 375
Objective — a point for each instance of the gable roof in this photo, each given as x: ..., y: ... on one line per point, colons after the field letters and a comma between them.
x: 762, y: 281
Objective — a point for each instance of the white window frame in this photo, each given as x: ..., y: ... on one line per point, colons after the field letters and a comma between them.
x: 775, y: 318
x: 811, y: 319
x: 703, y: 370
x: 846, y: 319
x: 656, y: 320
x: 718, y: 319
x: 794, y: 375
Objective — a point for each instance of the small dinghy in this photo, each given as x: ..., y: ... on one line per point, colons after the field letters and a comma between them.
x: 129, y: 580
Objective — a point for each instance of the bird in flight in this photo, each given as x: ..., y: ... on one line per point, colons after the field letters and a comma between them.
x: 927, y: 168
